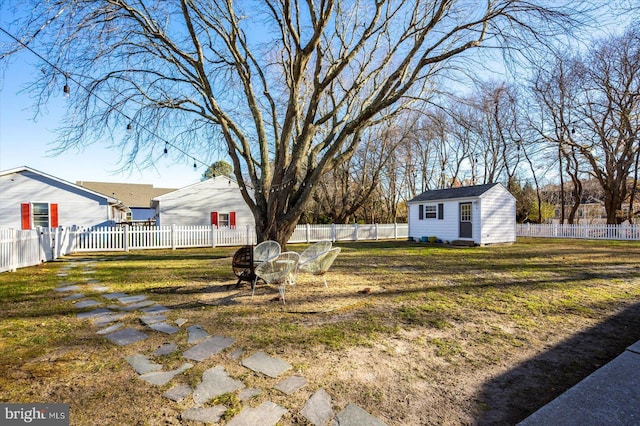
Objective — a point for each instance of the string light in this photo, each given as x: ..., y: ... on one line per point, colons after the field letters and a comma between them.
x: 67, y: 92
x: 166, y: 149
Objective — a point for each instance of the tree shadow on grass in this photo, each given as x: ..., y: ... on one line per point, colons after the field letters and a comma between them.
x: 517, y: 393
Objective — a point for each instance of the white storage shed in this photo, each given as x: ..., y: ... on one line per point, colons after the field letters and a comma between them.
x: 480, y: 215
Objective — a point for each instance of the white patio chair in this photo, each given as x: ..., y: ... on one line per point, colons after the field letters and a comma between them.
x: 278, y: 271
x: 321, y: 264
x: 314, y: 251
x: 265, y: 251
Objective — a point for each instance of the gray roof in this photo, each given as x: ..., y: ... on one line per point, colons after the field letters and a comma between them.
x: 450, y: 193
x: 131, y: 194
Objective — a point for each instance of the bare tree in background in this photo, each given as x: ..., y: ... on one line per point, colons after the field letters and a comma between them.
x: 287, y: 88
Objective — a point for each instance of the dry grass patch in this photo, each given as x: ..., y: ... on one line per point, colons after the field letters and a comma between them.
x: 413, y: 333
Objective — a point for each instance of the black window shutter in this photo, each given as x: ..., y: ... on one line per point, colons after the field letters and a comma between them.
x: 420, y: 212
x: 440, y: 211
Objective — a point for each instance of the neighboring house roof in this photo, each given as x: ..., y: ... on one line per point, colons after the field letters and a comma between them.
x: 111, y: 200
x: 131, y: 194
x: 450, y: 193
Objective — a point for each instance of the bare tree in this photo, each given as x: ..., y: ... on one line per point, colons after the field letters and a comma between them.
x: 286, y: 88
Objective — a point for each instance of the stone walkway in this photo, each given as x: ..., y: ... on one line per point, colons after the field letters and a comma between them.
x: 110, y: 308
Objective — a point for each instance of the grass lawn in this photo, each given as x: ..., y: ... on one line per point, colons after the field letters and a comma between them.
x: 413, y: 333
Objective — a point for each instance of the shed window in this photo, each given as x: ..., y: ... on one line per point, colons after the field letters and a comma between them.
x: 440, y: 211
x: 430, y: 212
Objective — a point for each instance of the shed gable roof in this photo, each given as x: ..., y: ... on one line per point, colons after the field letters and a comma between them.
x: 451, y: 193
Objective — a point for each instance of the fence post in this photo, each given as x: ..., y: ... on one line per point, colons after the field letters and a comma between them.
x: 213, y: 235
x: 173, y: 236
x: 308, y: 233
x: 125, y: 238
x: 375, y: 226
x: 333, y: 232
x: 355, y: 232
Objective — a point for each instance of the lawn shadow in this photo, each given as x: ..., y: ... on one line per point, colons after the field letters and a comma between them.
x: 512, y: 396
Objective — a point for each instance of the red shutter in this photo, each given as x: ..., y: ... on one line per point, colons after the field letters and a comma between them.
x: 54, y: 215
x: 25, y: 210
x: 214, y: 218
x: 232, y: 219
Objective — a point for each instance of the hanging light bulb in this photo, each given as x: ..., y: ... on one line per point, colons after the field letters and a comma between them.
x: 166, y: 149
x: 66, y: 90
x: 194, y: 164
x: 129, y: 127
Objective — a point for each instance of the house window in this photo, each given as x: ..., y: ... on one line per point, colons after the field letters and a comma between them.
x: 430, y: 212
x: 223, y: 220
x: 36, y: 215
x: 465, y: 212
x: 40, y: 215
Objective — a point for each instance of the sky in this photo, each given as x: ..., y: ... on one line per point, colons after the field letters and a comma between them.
x: 25, y: 142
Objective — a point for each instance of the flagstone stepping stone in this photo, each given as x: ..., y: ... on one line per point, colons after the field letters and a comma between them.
x: 105, y: 319
x: 99, y: 288
x: 86, y: 304
x: 265, y: 414
x: 247, y: 394
x: 163, y: 327
x: 352, y: 415
x: 94, y: 313
x: 110, y: 329
x: 68, y: 288
x: 112, y: 296
x: 208, y: 347
x: 151, y: 319
x: 205, y: 415
x: 215, y: 382
x: 132, y: 299
x: 291, y: 384
x: 135, y: 306
x: 126, y: 336
x: 155, y: 309
x: 165, y: 349
x: 236, y: 354
x: 160, y: 378
x: 263, y: 363
x: 74, y: 296
x: 142, y: 364
x: 196, y: 333
x: 178, y: 392
x: 181, y: 321
x: 317, y: 410
x: 62, y: 274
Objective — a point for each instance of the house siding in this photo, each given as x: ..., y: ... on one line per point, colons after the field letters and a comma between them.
x: 498, y: 217
x: 75, y: 207
x: 194, y: 204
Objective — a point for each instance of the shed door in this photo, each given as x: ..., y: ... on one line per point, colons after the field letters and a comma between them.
x: 466, y: 228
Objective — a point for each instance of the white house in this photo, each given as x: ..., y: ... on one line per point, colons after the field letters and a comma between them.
x: 480, y: 214
x: 216, y: 201
x: 30, y: 199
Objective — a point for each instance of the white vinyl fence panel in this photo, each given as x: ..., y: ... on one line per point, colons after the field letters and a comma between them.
x: 585, y: 231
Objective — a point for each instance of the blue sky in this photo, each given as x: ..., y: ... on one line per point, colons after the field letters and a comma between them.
x: 25, y: 142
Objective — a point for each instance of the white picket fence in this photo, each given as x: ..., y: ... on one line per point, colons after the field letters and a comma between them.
x: 584, y: 231
x: 19, y: 249
x: 27, y: 248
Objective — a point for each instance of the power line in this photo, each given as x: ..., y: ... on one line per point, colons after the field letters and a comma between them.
x: 66, y: 90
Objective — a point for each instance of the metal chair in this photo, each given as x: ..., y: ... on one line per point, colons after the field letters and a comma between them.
x: 314, y: 251
x: 243, y: 265
x: 278, y: 271
x: 321, y: 264
x: 265, y: 251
